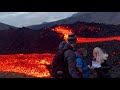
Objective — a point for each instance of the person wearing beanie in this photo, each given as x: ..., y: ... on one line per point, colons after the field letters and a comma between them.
x: 70, y: 57
x: 72, y: 39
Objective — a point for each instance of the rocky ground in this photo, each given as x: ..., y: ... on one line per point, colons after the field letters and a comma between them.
x: 13, y: 75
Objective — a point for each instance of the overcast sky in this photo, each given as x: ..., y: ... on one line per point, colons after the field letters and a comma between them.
x: 31, y: 18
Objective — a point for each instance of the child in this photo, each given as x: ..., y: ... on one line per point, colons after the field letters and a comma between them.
x: 81, y: 63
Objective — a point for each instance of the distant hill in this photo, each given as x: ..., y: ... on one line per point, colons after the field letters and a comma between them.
x: 25, y: 40
x: 97, y: 17
x: 5, y: 26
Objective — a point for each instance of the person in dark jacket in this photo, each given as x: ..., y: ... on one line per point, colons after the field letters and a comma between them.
x: 70, y: 56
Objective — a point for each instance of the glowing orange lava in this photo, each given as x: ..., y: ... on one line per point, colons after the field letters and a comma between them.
x: 35, y: 64
x: 88, y: 40
x: 29, y: 64
x: 63, y: 30
x: 66, y: 31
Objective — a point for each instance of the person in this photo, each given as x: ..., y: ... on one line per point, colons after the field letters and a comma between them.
x: 99, y: 62
x: 69, y: 69
x: 81, y: 63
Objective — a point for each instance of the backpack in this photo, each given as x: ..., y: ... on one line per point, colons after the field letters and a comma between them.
x: 60, y: 65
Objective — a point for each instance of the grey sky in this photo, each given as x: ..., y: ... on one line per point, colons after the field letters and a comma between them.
x: 31, y: 18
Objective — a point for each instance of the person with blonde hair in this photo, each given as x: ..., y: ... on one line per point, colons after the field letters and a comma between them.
x: 99, y: 61
x: 99, y: 55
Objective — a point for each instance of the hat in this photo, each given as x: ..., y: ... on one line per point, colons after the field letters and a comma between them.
x: 72, y: 39
x: 82, y: 51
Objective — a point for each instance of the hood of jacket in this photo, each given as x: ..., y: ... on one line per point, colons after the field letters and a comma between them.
x: 64, y: 45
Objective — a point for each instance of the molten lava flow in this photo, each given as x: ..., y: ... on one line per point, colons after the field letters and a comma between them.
x: 35, y: 64
x: 29, y: 64
x: 65, y: 31
x: 88, y: 40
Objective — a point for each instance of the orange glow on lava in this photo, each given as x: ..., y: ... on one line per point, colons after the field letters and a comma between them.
x: 66, y: 31
x: 88, y: 40
x: 35, y: 64
x: 29, y: 64
x: 63, y: 30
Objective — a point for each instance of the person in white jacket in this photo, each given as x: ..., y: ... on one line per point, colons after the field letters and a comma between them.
x: 99, y: 60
